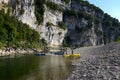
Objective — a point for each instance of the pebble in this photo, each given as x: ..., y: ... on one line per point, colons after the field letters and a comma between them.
x: 101, y: 63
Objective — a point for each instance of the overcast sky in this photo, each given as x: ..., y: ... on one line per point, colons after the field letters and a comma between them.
x: 112, y: 7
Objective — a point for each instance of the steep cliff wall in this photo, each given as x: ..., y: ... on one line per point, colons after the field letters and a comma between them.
x: 25, y: 11
x: 50, y: 30
x: 86, y: 24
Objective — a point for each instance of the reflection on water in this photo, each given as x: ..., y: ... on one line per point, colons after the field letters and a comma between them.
x: 32, y: 67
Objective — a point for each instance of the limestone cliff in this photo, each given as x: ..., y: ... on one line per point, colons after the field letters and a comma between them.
x: 25, y: 11
x: 86, y: 24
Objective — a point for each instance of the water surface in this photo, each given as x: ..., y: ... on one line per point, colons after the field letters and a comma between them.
x: 30, y: 67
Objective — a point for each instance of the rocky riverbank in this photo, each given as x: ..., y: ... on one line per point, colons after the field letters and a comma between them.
x: 97, y: 63
x: 14, y: 51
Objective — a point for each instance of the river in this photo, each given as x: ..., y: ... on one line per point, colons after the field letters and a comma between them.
x: 31, y: 67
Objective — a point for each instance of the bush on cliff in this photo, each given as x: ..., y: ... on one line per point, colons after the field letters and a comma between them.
x: 14, y: 33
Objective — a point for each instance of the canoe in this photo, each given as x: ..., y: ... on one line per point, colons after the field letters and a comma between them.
x: 40, y: 54
x: 75, y: 55
x: 59, y: 53
x: 66, y: 55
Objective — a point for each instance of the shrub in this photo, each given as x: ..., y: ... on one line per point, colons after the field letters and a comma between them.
x: 71, y: 13
x: 118, y: 39
x: 49, y: 24
x: 39, y: 10
x: 53, y: 6
x: 61, y: 25
x: 66, y: 42
x: 96, y: 20
x: 18, y: 2
x: 14, y: 33
x: 22, y: 11
x: 66, y: 1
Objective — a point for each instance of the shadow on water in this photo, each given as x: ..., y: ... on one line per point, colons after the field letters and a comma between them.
x: 30, y: 67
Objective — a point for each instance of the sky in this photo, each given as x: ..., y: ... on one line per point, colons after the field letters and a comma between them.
x: 112, y: 7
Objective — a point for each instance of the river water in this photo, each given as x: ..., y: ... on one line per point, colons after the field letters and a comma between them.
x: 31, y: 67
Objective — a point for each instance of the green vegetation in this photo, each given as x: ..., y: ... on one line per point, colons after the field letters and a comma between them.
x: 107, y: 20
x: 14, y: 33
x: 97, y: 20
x: 98, y: 10
x: 66, y: 1
x: 118, y: 39
x: 22, y: 11
x: 5, y: 5
x: 115, y: 22
x: 49, y: 24
x: 77, y: 29
x: 91, y: 6
x: 53, y: 6
x: 82, y: 13
x: 78, y: 14
x: 62, y: 25
x: 92, y: 17
x: 89, y: 25
x: 39, y: 10
x: 71, y: 13
x: 43, y: 43
x: 66, y: 42
x: 18, y: 2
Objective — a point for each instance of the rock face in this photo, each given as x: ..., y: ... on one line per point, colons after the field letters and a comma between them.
x: 24, y: 10
x: 52, y: 34
x: 80, y: 34
x: 87, y: 25
x: 2, y: 2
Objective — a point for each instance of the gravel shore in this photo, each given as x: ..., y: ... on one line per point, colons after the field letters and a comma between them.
x: 97, y: 63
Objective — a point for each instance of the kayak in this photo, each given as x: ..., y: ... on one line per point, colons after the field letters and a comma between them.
x: 59, y: 53
x: 40, y: 54
x: 66, y: 55
x: 75, y: 55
